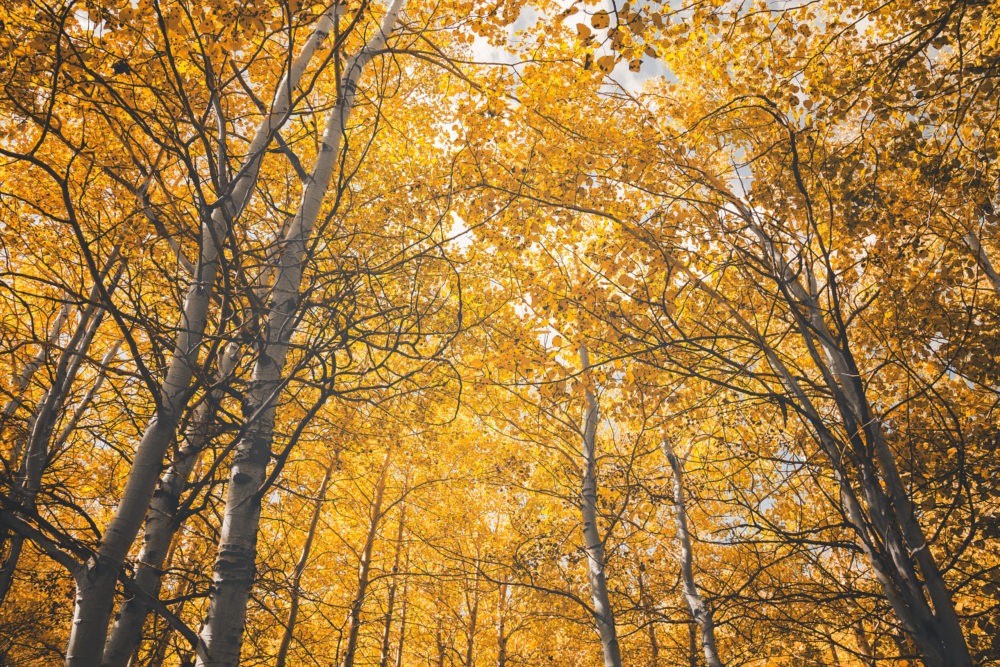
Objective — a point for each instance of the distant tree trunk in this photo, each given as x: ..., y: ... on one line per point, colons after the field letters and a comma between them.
x: 700, y: 612
x: 470, y: 647
x: 300, y: 566
x: 391, y: 604
x: 442, y: 648
x: 402, y: 617
x: 222, y: 632
x: 864, y: 646
x: 162, y: 521
x: 364, y: 568
x: 31, y: 367
x: 593, y: 542
x: 501, y: 627
x: 647, y: 604
x: 16, y: 542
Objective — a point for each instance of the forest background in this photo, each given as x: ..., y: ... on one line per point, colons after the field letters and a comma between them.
x: 505, y: 333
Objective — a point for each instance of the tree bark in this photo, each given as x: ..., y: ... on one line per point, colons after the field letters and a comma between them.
x: 32, y: 366
x: 391, y: 604
x: 222, y: 631
x: 700, y: 612
x: 364, y: 569
x: 162, y: 521
x: 647, y: 603
x: 402, y: 618
x: 300, y: 566
x: 593, y: 542
x: 501, y: 627
x: 470, y: 646
x: 95, y: 581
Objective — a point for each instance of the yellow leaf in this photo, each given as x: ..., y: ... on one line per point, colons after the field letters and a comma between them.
x: 606, y: 63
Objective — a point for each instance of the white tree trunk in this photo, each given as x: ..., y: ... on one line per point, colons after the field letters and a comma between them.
x: 593, y: 542
x: 700, y: 612
x: 222, y: 631
x: 162, y: 522
x: 95, y: 582
x: 364, y: 569
x: 300, y: 566
x: 32, y: 366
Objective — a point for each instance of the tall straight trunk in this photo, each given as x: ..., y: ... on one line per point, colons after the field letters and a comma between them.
x: 300, y: 566
x: 647, y: 604
x: 928, y: 611
x: 501, y: 627
x: 222, y: 632
x: 700, y: 612
x: 364, y: 569
x: 874, y: 498
x: 162, y: 521
x: 391, y: 604
x: 470, y: 646
x: 442, y: 648
x: 96, y: 579
x: 593, y: 542
x: 402, y: 617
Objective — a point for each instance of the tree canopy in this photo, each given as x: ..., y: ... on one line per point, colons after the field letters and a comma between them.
x: 510, y: 333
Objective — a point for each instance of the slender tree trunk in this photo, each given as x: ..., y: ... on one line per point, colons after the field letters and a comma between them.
x: 886, y: 525
x: 470, y: 647
x: 647, y: 603
x: 693, y: 660
x: 864, y: 647
x: 391, y: 604
x: 364, y: 569
x: 501, y: 627
x: 32, y: 366
x: 700, y: 612
x: 931, y: 618
x: 593, y: 542
x: 84, y: 404
x: 972, y: 241
x: 95, y: 581
x: 16, y: 542
x: 442, y: 648
x: 162, y: 521
x: 402, y: 617
x: 37, y: 446
x: 222, y: 631
x: 300, y: 566
x: 34, y: 444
